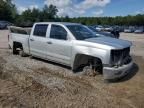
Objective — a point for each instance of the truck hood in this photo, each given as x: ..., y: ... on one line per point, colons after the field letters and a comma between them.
x: 112, y: 42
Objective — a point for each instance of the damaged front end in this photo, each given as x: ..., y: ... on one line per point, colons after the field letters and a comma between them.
x: 120, y: 64
x: 120, y: 57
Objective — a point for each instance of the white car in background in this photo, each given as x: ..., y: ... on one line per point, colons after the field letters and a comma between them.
x: 139, y: 30
x: 99, y: 28
x: 128, y: 30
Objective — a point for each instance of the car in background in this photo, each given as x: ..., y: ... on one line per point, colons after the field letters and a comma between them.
x: 139, y: 30
x: 99, y: 28
x: 5, y: 24
x: 108, y: 28
x: 102, y: 33
x: 128, y: 30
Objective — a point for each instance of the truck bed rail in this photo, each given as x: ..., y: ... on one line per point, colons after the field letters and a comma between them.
x: 19, y: 30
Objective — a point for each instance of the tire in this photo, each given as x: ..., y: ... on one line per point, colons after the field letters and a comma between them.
x: 93, y: 68
x: 22, y: 53
x: 98, y: 66
x: 31, y: 57
x: 15, y: 51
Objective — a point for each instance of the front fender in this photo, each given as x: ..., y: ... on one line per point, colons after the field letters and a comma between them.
x: 102, y: 54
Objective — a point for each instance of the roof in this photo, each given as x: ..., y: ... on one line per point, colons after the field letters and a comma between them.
x: 64, y: 23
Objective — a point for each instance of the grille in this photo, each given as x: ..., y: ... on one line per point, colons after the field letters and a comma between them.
x: 120, y: 57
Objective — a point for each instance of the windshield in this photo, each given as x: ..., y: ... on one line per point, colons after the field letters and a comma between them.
x: 81, y: 32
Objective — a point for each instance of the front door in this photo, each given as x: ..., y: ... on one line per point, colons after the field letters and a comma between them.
x: 60, y: 46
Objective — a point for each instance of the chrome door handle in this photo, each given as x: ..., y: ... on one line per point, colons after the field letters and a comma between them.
x: 31, y: 39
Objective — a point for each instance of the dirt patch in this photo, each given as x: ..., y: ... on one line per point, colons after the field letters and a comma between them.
x: 27, y: 83
x: 26, y: 86
x: 2, y: 62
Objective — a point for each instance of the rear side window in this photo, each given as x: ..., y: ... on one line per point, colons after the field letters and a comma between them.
x: 40, y: 30
x: 58, y: 32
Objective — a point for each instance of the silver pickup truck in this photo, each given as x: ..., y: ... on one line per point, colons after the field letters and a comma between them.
x: 73, y: 45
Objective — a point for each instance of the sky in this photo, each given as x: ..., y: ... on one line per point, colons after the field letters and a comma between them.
x: 86, y: 8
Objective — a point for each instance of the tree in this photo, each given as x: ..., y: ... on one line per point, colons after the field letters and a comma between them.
x: 7, y: 10
x: 49, y: 13
x: 66, y: 19
x: 28, y: 17
x: 52, y: 11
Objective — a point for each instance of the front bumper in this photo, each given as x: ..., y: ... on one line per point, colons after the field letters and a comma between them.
x: 110, y: 73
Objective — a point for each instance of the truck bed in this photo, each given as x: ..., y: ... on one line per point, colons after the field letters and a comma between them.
x: 20, y: 30
x: 21, y: 35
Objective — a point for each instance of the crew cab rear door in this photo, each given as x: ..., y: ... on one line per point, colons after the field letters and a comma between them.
x: 38, y: 40
x: 59, y: 45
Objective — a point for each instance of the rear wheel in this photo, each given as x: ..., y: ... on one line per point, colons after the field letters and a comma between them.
x: 18, y: 49
x: 15, y: 51
x: 22, y: 53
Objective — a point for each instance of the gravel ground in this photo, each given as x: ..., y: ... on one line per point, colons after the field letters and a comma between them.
x: 26, y: 82
x: 3, y: 39
x: 138, y: 43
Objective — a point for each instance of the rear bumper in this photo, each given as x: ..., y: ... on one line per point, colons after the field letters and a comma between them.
x: 114, y: 73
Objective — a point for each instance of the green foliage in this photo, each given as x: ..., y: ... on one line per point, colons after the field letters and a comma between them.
x: 119, y: 20
x: 28, y: 17
x: 49, y: 13
x: 67, y: 19
x: 7, y: 10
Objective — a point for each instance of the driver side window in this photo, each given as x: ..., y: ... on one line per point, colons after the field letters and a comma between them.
x: 58, y: 32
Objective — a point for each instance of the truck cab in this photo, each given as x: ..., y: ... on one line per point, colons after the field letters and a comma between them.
x: 51, y: 41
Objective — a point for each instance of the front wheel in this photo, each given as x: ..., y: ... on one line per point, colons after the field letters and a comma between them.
x: 93, y: 68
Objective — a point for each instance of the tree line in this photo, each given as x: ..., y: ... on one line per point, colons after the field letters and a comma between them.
x: 9, y: 12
